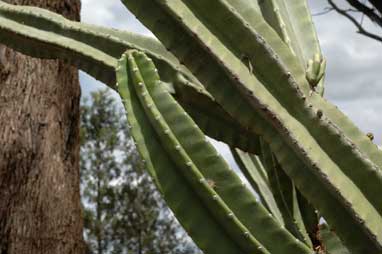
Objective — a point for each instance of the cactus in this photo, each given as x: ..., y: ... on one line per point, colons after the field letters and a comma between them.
x: 99, y: 50
x: 331, y: 241
x: 245, y: 221
x: 261, y: 94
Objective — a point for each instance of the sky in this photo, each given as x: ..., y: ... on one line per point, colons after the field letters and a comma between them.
x: 354, y: 72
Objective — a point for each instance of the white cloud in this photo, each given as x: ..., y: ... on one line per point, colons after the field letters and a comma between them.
x: 111, y: 13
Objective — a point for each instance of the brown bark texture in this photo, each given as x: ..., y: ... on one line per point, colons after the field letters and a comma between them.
x: 40, y: 209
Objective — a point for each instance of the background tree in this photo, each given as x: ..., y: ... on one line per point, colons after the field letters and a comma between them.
x: 371, y: 9
x: 40, y: 209
x: 124, y: 212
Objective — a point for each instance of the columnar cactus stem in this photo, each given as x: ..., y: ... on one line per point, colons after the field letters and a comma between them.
x: 250, y: 74
x: 295, y: 120
x: 197, y: 162
x: 96, y: 50
x: 256, y: 175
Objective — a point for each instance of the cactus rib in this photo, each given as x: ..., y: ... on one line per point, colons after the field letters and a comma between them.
x: 309, y: 216
x: 293, y: 20
x: 260, y: 42
x: 172, y: 25
x: 90, y: 59
x: 253, y: 171
x: 331, y: 244
x: 145, y: 81
x: 339, y: 152
x: 294, y: 24
x: 268, y: 87
x: 322, y: 135
x: 36, y: 32
x: 284, y: 193
x: 212, y: 167
x: 165, y: 174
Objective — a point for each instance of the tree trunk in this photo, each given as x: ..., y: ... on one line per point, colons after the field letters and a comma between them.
x: 40, y: 209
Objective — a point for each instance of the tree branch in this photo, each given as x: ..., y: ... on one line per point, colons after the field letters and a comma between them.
x: 361, y: 30
x: 325, y: 11
x: 369, y: 12
x: 377, y: 5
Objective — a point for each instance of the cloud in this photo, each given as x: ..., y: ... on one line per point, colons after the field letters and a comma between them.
x: 111, y: 13
x: 108, y: 13
x: 354, y: 76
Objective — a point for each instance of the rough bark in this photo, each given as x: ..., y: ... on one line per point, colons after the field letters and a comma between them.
x: 40, y: 209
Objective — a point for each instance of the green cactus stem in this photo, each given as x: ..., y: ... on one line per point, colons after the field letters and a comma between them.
x: 198, y: 162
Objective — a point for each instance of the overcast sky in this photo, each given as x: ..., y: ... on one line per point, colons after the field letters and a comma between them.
x: 354, y: 75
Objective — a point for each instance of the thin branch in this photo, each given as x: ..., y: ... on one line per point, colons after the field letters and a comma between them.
x: 361, y: 30
x: 325, y: 11
x: 373, y: 16
x: 377, y: 5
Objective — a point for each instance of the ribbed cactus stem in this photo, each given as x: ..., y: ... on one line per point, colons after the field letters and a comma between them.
x: 96, y: 49
x: 211, y: 168
x: 141, y: 65
x: 234, y: 83
x: 250, y: 75
x: 284, y: 32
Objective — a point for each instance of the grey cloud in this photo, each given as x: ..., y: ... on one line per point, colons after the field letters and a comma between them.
x: 354, y: 61
x: 366, y: 113
x: 349, y: 78
x: 354, y: 74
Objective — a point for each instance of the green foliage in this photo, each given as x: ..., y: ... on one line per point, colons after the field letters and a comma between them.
x: 123, y: 211
x: 251, y: 74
